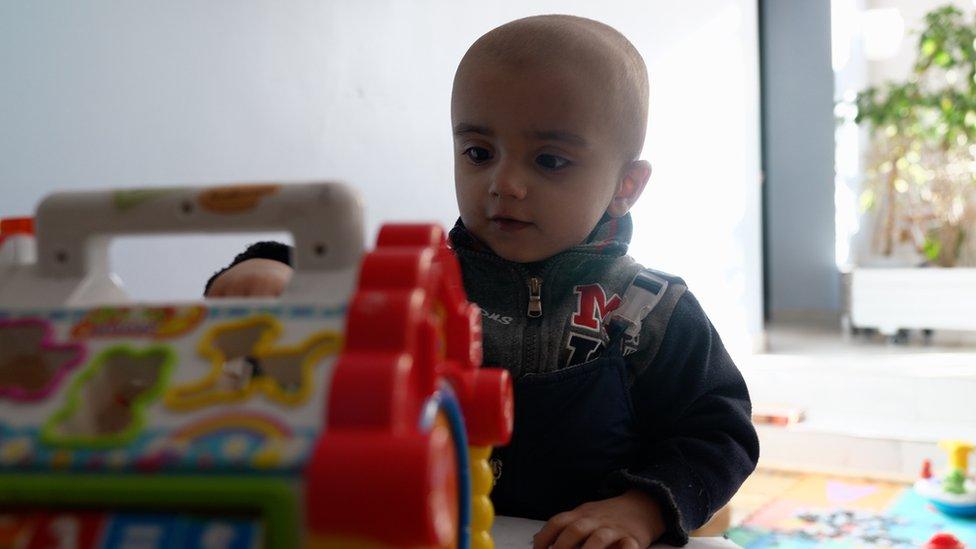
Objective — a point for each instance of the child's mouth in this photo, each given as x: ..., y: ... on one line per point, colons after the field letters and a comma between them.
x: 508, y: 224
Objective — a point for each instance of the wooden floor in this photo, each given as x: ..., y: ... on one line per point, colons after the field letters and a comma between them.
x: 763, y: 486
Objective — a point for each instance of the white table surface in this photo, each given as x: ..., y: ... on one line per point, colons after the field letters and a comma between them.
x: 517, y: 532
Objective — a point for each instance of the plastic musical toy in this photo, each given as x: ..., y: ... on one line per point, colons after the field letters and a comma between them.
x: 954, y: 493
x: 351, y: 411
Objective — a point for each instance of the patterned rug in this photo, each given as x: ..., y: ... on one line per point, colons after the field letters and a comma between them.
x: 838, y: 513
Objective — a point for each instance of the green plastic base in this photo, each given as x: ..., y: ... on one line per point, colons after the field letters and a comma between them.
x: 275, y: 500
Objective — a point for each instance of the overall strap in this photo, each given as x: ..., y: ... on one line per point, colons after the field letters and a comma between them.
x: 640, y: 298
x: 647, y: 293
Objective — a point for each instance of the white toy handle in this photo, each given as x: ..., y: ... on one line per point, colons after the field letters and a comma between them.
x: 75, y: 228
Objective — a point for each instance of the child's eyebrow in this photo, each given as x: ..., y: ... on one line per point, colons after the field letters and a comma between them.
x: 557, y: 135
x: 463, y: 128
x: 545, y: 135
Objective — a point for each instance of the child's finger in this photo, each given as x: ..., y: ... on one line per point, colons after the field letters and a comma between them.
x: 628, y: 543
x: 575, y: 533
x: 602, y: 538
x: 544, y: 538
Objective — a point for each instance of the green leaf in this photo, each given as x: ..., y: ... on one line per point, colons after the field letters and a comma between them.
x: 932, y: 248
x: 867, y: 200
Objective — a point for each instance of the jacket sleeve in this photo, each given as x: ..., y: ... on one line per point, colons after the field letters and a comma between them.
x: 259, y: 250
x: 698, y: 443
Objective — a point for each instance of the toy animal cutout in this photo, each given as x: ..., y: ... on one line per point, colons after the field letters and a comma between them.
x: 31, y: 364
x: 244, y: 361
x: 106, y: 404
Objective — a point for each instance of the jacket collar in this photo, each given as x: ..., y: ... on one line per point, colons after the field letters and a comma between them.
x: 610, y: 238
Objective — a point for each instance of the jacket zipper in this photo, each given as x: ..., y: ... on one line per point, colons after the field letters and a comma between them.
x: 533, y: 325
x: 535, y: 297
x: 531, y: 355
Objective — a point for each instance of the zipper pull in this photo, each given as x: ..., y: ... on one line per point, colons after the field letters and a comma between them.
x: 535, y: 297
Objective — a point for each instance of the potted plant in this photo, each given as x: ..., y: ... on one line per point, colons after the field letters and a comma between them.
x: 920, y: 186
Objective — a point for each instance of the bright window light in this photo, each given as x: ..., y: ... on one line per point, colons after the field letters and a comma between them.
x: 843, y: 28
x: 882, y: 30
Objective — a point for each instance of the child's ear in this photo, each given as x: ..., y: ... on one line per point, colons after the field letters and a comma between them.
x: 632, y: 183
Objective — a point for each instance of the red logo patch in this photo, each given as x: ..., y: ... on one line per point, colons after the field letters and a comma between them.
x: 592, y: 306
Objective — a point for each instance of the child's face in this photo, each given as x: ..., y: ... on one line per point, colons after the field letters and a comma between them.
x: 536, y: 163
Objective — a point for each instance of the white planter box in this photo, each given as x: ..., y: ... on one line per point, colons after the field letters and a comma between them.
x: 913, y: 298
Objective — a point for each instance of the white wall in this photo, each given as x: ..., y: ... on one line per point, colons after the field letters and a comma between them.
x: 160, y: 93
x: 700, y: 216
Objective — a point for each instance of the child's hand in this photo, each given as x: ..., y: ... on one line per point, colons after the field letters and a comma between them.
x: 629, y: 521
x: 253, y: 277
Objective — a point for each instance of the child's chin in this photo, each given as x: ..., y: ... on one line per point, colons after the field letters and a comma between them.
x: 522, y: 255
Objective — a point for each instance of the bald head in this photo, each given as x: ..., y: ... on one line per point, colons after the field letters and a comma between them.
x: 583, y: 46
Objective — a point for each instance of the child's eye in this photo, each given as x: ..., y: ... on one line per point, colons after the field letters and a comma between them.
x: 551, y: 162
x: 477, y: 155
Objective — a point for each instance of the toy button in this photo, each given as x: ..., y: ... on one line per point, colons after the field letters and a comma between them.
x: 944, y: 540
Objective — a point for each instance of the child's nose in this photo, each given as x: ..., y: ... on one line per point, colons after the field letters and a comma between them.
x: 508, y: 181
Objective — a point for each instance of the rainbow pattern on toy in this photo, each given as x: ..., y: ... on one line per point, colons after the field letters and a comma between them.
x: 954, y: 493
x: 351, y: 411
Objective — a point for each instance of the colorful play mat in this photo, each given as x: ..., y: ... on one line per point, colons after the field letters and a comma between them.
x: 839, y: 513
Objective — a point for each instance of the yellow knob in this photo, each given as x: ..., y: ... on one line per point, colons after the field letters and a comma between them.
x: 958, y: 451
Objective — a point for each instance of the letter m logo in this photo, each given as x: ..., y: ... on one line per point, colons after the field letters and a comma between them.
x: 592, y: 306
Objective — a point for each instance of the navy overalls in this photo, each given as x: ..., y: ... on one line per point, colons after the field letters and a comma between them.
x: 573, y: 427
